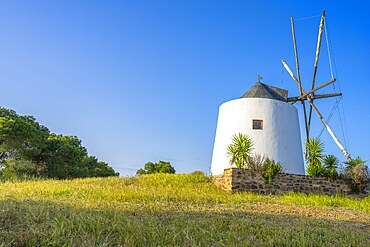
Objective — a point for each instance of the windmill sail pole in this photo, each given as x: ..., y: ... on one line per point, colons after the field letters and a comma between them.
x: 319, y: 38
x: 291, y: 73
x: 309, y: 98
x: 299, y: 78
x: 335, y: 138
x: 316, y: 96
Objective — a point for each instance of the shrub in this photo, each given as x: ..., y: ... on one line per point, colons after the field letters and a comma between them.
x: 256, y: 162
x: 240, y: 150
x: 13, y: 169
x: 270, y: 169
x: 358, y: 174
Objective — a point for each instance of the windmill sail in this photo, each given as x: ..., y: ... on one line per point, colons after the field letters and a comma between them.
x: 310, y: 96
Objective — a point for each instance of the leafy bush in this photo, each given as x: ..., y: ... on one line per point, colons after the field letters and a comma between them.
x: 240, y: 150
x: 270, y: 169
x: 13, y: 169
x: 160, y: 167
x: 358, y: 174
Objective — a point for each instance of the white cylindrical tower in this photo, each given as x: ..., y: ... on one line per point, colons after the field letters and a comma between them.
x: 265, y: 116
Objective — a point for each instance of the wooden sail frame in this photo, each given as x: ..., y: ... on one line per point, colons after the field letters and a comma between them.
x: 310, y: 96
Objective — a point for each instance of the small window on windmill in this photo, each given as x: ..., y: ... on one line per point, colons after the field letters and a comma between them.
x: 257, y: 124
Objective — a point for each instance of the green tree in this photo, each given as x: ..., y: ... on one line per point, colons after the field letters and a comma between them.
x: 28, y: 149
x: 314, y: 157
x: 98, y: 168
x: 67, y: 158
x: 21, y: 137
x: 160, y: 167
x: 64, y: 156
x: 240, y: 150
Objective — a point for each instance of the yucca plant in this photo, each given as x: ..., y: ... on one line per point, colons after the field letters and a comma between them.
x: 240, y: 150
x: 331, y: 164
x: 314, y: 155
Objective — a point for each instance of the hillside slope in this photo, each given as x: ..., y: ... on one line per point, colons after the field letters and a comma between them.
x: 167, y: 210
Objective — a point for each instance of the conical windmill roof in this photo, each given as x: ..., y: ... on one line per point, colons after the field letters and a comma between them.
x: 260, y: 90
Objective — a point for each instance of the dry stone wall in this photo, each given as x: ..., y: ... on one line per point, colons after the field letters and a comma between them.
x: 235, y: 179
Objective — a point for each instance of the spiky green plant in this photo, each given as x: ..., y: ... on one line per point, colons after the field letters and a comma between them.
x: 314, y: 155
x: 240, y: 150
x: 331, y: 164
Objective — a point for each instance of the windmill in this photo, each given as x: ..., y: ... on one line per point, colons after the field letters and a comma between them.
x: 310, y: 95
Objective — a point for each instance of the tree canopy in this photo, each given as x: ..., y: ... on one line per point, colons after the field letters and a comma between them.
x: 20, y: 136
x: 160, y: 167
x: 29, y: 149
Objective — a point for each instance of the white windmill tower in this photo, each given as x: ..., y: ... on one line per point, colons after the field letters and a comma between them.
x: 268, y: 116
x: 264, y: 114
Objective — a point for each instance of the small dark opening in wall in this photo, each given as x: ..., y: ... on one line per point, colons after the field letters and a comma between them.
x: 257, y: 124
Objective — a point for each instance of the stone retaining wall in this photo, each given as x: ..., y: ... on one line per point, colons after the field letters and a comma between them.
x: 235, y: 179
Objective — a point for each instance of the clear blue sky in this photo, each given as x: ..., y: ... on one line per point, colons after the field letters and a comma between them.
x: 142, y: 81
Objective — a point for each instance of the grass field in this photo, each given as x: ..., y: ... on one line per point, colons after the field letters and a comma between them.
x: 168, y: 210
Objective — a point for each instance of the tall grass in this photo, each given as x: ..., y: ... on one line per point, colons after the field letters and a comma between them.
x: 162, y: 209
x: 153, y: 190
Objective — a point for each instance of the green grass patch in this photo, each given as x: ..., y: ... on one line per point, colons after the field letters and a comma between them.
x: 168, y: 210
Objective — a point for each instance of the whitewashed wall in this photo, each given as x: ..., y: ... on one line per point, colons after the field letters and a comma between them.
x: 280, y: 138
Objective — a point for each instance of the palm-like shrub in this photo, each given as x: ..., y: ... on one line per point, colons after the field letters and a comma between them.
x: 240, y: 150
x: 331, y: 164
x: 358, y: 174
x: 314, y: 155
